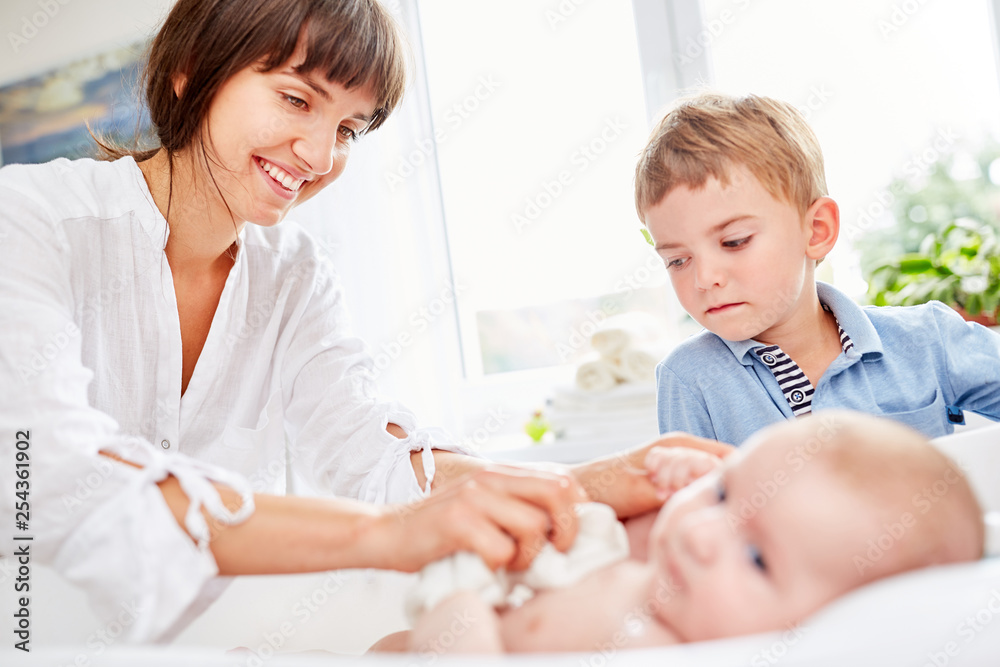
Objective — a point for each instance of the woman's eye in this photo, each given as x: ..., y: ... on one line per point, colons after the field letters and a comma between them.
x: 720, y: 490
x: 296, y: 102
x: 754, y: 554
x: 676, y: 263
x: 736, y: 243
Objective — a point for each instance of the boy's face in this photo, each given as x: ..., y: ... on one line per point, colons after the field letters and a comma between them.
x: 751, y: 549
x: 736, y: 256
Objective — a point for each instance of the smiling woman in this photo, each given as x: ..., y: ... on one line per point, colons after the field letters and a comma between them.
x: 186, y: 316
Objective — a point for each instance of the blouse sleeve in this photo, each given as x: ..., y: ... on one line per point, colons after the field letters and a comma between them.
x: 101, y: 524
x: 336, y: 421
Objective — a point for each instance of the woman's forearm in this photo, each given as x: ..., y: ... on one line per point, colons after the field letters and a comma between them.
x: 288, y: 534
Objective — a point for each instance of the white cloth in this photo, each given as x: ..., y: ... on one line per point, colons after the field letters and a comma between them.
x: 601, y: 541
x: 90, y: 360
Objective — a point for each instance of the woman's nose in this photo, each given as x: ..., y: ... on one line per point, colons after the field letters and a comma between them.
x: 318, y: 149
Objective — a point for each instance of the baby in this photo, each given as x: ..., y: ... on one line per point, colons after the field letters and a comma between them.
x: 765, y: 538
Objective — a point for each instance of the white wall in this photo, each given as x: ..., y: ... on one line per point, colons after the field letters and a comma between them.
x: 38, y: 35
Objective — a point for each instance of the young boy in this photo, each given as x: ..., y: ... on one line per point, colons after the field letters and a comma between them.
x: 781, y: 528
x: 733, y: 194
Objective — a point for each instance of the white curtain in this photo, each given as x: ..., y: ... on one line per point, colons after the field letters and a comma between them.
x: 382, y: 224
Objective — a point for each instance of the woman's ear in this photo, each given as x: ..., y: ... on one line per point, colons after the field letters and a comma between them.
x: 180, y: 82
x: 823, y: 222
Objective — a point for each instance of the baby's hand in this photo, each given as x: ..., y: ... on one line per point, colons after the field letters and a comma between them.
x: 673, y: 468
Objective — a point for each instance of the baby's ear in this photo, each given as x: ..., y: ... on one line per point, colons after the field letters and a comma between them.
x: 823, y: 221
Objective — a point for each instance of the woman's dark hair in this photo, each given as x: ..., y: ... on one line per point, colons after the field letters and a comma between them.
x: 355, y: 43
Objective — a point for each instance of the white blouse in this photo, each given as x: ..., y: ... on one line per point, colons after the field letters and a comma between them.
x: 90, y: 360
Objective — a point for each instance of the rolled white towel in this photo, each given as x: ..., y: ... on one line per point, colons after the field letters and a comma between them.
x: 635, y: 365
x: 597, y: 375
x: 600, y: 541
x: 610, y: 341
x: 625, y: 330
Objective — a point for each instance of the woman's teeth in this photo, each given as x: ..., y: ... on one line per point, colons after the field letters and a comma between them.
x: 281, y: 176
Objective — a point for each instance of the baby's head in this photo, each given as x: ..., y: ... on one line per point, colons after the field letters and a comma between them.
x: 733, y: 194
x: 806, y: 511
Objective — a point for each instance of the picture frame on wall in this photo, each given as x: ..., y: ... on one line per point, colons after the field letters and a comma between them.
x: 45, y: 117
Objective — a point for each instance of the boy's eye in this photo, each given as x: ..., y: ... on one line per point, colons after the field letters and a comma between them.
x: 721, y: 491
x: 676, y: 263
x: 736, y: 243
x: 754, y: 554
x: 348, y: 133
x: 296, y: 102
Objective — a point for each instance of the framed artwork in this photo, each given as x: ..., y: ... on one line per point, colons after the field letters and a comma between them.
x: 45, y: 117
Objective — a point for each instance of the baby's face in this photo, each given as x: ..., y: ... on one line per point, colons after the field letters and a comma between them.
x: 756, y: 546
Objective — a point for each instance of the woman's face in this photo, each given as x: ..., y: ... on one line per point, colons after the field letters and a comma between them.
x: 277, y: 138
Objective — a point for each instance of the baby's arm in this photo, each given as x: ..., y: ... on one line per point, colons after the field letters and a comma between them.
x: 463, y: 623
x: 669, y: 469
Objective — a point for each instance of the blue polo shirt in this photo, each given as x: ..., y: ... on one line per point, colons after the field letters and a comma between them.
x: 910, y: 364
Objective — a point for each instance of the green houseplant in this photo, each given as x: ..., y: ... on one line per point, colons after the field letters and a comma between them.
x: 944, y: 243
x: 960, y: 266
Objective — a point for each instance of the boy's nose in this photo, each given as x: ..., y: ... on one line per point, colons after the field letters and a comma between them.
x: 708, y: 274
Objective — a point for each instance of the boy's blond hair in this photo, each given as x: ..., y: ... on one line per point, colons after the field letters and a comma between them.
x: 709, y: 133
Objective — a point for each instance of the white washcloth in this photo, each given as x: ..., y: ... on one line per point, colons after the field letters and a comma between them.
x: 597, y: 375
x: 601, y: 541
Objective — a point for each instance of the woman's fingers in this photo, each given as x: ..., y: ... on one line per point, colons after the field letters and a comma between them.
x: 556, y: 495
x: 505, y: 515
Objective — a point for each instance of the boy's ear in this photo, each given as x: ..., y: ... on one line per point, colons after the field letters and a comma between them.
x: 823, y: 221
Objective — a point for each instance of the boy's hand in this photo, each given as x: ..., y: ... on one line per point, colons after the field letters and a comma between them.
x: 672, y: 468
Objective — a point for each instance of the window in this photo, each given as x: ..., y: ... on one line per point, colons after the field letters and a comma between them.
x: 888, y: 86
x: 539, y: 115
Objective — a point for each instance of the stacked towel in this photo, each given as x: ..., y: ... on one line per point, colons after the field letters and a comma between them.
x: 627, y: 352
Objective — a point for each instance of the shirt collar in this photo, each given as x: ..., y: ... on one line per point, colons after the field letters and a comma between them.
x: 851, y: 317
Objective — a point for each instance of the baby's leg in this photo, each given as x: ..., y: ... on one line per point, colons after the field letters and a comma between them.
x: 461, y: 624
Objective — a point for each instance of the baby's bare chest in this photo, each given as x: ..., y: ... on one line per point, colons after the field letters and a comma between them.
x: 607, y: 611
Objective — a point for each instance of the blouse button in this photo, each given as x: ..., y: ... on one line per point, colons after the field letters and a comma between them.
x: 165, y: 444
x: 769, y: 359
x: 797, y: 396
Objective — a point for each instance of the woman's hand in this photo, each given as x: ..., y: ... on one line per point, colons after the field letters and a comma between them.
x: 503, y: 514
x: 622, y: 481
